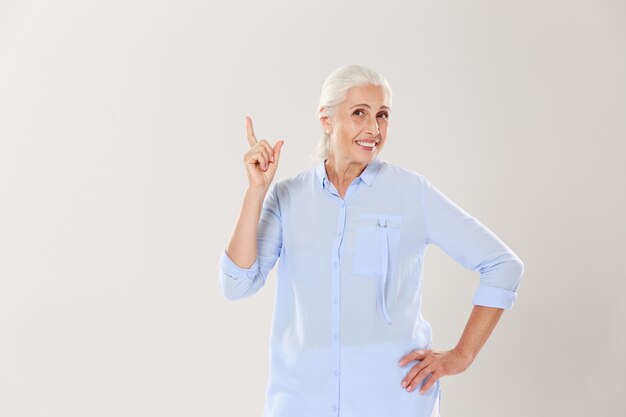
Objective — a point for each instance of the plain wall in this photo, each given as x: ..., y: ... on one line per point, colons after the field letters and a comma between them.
x: 122, y: 132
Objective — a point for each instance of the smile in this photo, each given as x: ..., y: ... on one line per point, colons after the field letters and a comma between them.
x: 366, y: 144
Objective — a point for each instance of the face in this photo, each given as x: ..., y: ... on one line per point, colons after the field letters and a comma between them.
x: 358, y: 129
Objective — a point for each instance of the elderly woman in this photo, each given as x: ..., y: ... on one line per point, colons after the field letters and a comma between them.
x: 348, y: 337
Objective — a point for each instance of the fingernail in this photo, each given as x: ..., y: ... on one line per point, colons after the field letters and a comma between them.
x: 403, y: 384
x: 401, y: 363
x: 272, y: 158
x: 410, y: 388
x: 422, y: 391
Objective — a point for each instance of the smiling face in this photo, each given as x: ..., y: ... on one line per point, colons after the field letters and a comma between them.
x: 358, y: 129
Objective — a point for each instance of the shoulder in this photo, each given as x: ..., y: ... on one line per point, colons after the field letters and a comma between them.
x: 300, y: 182
x: 403, y: 175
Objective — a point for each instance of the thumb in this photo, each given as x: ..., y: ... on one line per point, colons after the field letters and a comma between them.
x: 277, y: 147
x: 274, y: 165
x: 415, y: 355
x: 420, y: 353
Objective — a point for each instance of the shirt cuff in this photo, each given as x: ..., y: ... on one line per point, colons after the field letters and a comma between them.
x: 494, y: 297
x: 231, y: 269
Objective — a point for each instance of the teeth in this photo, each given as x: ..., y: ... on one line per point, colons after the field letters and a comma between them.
x: 368, y: 144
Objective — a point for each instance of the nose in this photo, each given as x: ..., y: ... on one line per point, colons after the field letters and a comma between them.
x: 372, y: 126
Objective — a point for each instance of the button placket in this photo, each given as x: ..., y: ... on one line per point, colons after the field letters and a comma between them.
x: 335, y: 292
x: 336, y: 305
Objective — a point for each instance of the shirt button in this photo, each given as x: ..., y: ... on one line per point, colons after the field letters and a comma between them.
x: 335, y: 264
x: 334, y: 408
x: 336, y: 373
x: 336, y: 335
x: 336, y: 300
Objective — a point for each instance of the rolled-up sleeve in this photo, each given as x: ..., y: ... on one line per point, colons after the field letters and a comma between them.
x: 236, y: 282
x: 473, y: 246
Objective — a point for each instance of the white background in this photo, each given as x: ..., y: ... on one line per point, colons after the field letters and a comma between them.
x: 122, y: 134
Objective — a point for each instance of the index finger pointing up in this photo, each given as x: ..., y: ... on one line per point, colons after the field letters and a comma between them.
x: 251, y: 138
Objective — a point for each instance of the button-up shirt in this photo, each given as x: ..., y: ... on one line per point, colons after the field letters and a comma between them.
x: 348, y: 292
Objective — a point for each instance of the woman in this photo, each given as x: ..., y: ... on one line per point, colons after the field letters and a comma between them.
x: 351, y: 234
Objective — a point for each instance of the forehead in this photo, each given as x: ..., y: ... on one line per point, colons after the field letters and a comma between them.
x: 374, y: 95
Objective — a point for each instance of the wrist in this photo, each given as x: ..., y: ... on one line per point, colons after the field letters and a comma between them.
x: 257, y: 190
x: 465, y: 353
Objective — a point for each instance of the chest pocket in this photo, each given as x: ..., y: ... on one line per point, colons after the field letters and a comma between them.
x: 376, y: 236
x: 377, y: 239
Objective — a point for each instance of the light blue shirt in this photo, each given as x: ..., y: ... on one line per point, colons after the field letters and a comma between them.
x: 348, y: 292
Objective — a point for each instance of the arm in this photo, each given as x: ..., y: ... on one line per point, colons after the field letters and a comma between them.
x: 476, y: 248
x: 439, y: 363
x: 242, y: 247
x: 481, y: 323
x: 254, y: 246
x: 257, y: 239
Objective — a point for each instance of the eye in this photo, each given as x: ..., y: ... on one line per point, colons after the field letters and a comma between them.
x: 385, y: 114
x: 357, y: 111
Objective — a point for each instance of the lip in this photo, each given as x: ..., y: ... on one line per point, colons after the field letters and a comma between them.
x: 375, y: 142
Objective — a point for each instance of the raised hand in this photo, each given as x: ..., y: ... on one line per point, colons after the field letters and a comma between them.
x: 261, y: 160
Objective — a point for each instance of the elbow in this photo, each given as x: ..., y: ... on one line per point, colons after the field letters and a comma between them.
x: 236, y: 282
x: 236, y: 288
x: 516, y: 271
x: 498, y: 287
x: 504, y: 273
x: 519, y: 267
x: 227, y: 292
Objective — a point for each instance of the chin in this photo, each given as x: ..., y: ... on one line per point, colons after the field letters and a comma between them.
x: 366, y: 155
x: 367, y: 159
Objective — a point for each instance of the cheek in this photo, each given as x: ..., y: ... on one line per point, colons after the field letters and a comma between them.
x: 347, y: 134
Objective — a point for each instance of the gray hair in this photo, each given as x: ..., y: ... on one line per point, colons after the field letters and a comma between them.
x: 334, y: 92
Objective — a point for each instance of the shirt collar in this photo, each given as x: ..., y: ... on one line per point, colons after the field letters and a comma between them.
x: 367, y: 176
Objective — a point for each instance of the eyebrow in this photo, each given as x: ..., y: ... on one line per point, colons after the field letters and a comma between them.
x: 368, y: 106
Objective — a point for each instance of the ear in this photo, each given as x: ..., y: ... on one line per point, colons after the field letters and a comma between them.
x: 326, y: 123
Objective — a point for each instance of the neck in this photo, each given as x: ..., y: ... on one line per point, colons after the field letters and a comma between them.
x: 342, y: 172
